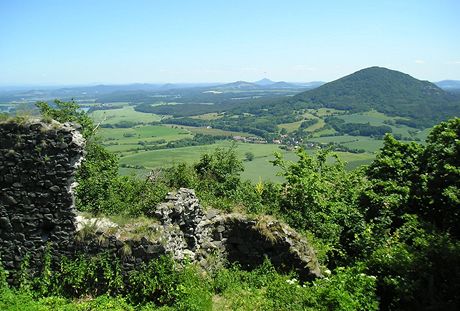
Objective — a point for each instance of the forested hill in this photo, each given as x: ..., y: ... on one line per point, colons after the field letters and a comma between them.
x: 387, y: 91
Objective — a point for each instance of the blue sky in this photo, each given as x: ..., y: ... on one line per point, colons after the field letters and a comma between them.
x: 78, y: 42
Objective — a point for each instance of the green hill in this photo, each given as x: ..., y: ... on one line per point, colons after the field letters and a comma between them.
x: 388, y: 91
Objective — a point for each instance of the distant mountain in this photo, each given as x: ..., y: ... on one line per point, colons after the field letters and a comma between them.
x: 284, y: 85
x: 238, y: 85
x: 385, y: 90
x: 449, y: 84
x: 310, y: 85
x: 269, y: 84
x: 264, y: 82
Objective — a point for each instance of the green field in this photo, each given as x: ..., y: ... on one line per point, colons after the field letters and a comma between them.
x: 324, y: 132
x: 127, y: 113
x: 373, y: 117
x: 354, y: 142
x: 128, y: 142
x: 377, y: 118
x: 208, y: 131
x: 318, y: 125
x: 290, y: 127
x: 260, y: 167
x: 125, y: 139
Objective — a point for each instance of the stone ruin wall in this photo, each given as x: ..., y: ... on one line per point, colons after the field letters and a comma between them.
x: 37, y: 167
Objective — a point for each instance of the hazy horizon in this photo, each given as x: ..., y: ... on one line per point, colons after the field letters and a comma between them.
x: 54, y: 43
x: 140, y: 82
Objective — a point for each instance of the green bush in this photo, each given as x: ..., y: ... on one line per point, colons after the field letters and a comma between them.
x: 193, y: 291
x: 346, y: 289
x: 321, y: 197
x: 219, y: 172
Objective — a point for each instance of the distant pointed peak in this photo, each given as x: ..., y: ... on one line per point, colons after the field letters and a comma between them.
x: 264, y: 81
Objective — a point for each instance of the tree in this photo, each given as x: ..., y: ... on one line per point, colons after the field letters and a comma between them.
x: 412, y: 178
x: 412, y: 214
x: 320, y: 196
x: 68, y: 112
x: 440, y: 184
x: 249, y: 156
x: 220, y: 171
x: 395, y: 175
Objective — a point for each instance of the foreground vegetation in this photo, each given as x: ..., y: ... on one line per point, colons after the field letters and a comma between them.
x: 387, y: 234
x: 162, y: 285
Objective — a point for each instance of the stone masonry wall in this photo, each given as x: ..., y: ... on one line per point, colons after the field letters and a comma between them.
x: 184, y: 230
x: 37, y: 167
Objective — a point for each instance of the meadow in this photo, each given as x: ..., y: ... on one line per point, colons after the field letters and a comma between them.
x: 129, y: 143
x: 207, y: 131
x: 353, y: 142
x: 126, y: 113
x: 259, y: 168
x: 377, y: 118
x: 312, y: 114
x: 126, y: 139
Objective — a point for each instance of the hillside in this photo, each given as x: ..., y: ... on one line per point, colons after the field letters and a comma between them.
x: 387, y: 91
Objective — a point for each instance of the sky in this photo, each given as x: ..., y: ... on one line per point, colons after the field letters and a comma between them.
x: 53, y: 42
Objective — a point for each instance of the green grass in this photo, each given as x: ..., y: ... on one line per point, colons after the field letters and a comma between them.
x: 373, y: 117
x: 208, y: 131
x: 260, y: 167
x: 353, y: 160
x: 127, y: 113
x: 144, y: 132
x: 253, y: 169
x: 377, y: 118
x: 355, y: 142
x: 132, y: 153
x: 290, y: 127
x: 116, y: 140
x: 325, y: 131
x: 318, y: 125
x: 166, y: 157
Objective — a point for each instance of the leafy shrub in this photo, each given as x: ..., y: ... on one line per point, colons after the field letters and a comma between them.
x: 181, y: 175
x: 417, y: 268
x: 219, y: 172
x: 193, y: 292
x: 320, y: 196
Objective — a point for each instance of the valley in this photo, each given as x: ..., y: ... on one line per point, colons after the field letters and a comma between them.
x: 153, y: 126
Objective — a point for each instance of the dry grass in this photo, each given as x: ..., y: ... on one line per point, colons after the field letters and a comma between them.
x: 268, y: 227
